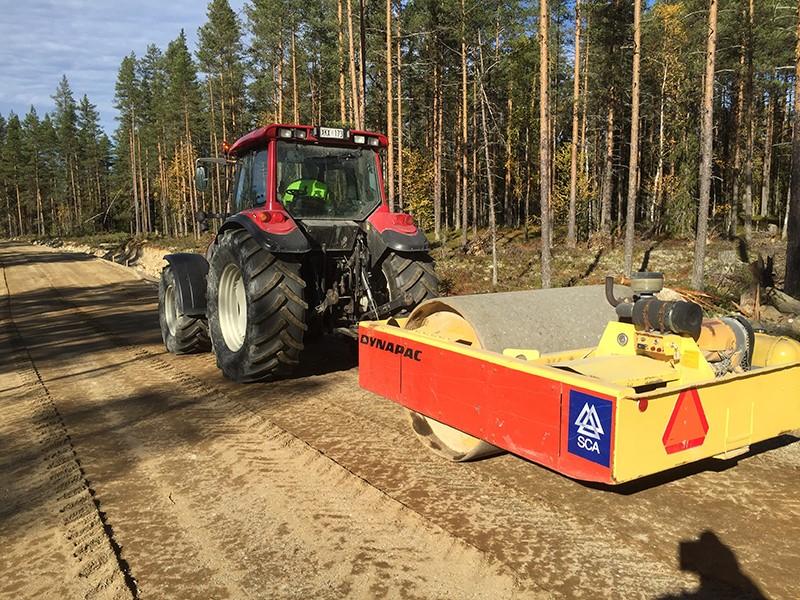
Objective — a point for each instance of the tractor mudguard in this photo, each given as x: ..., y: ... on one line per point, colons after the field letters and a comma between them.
x: 190, y: 272
x: 287, y: 240
x: 388, y: 239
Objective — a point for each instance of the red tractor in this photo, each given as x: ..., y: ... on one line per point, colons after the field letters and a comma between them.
x: 309, y: 246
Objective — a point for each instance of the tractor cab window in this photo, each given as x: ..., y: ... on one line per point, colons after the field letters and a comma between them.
x: 327, y: 182
x: 251, y: 181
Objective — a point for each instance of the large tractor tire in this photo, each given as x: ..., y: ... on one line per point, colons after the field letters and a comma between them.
x: 410, y: 274
x: 256, y: 311
x: 182, y: 334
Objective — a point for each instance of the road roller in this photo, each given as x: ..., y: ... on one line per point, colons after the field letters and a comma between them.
x: 601, y: 383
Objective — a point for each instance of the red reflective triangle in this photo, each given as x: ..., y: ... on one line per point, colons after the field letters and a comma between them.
x: 687, y: 427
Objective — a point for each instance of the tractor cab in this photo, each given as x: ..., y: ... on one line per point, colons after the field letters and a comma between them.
x: 306, y: 172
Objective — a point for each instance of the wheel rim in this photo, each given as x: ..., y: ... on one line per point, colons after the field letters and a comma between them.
x: 232, y: 307
x: 171, y: 310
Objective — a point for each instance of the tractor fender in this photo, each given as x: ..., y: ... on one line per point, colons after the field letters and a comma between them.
x: 291, y: 241
x: 379, y: 242
x: 190, y: 272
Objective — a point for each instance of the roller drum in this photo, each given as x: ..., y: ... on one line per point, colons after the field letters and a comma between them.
x: 551, y: 320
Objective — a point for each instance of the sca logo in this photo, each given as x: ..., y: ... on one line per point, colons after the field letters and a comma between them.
x: 590, y: 427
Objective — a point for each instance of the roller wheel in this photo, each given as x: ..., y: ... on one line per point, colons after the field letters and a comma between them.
x: 256, y: 309
x: 448, y: 442
x: 182, y: 334
x: 412, y: 274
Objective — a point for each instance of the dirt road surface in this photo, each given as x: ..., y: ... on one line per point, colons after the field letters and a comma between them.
x: 126, y: 472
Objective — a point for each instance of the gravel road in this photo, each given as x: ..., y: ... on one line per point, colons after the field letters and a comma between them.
x: 126, y: 472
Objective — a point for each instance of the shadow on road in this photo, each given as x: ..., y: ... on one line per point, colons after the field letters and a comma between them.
x: 718, y: 568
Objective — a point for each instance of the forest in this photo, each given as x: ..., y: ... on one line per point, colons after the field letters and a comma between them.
x: 574, y: 120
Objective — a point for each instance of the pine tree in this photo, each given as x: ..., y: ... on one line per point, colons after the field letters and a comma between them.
x: 220, y: 56
x: 12, y: 174
x: 65, y: 118
x: 127, y: 103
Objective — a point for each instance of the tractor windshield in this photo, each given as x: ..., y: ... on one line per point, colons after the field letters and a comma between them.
x: 326, y: 182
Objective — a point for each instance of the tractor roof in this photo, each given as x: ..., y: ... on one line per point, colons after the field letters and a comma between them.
x: 312, y: 135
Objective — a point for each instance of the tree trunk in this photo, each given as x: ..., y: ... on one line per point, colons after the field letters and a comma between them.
x: 655, y: 206
x: 295, y: 97
x: 792, y: 280
x: 437, y: 155
x: 142, y: 198
x: 475, y: 212
x: 768, y: 141
x: 19, y: 203
x: 389, y: 105
x: 573, y: 165
x: 608, y: 173
x: 280, y: 80
x: 750, y: 123
x: 342, y: 93
x: 399, y: 122
x: 633, y: 163
x: 362, y: 54
x: 464, y: 116
x: 135, y: 200
x: 544, y: 139
x: 509, y: 162
x: 354, y: 102
x: 489, y: 178
x: 733, y: 214
x: 706, y: 149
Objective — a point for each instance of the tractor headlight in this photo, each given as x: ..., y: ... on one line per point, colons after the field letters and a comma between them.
x: 359, y: 139
x: 373, y: 141
x: 284, y: 133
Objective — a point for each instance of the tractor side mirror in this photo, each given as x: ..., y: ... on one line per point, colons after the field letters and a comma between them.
x: 201, y: 178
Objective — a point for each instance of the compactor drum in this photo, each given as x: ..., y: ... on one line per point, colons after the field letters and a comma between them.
x: 309, y: 245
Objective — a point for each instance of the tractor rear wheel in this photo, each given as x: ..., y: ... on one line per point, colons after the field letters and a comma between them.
x: 256, y: 311
x: 182, y: 334
x: 410, y: 274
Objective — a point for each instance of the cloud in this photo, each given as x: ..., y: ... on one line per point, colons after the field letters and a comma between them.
x: 84, y: 40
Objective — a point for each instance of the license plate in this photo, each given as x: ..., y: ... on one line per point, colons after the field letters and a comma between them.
x: 331, y: 132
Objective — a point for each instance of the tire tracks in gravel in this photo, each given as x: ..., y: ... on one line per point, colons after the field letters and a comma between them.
x: 536, y: 540
x: 251, y: 452
x: 45, y: 487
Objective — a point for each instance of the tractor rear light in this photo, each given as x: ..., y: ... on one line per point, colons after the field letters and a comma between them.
x: 274, y: 217
x: 300, y: 134
x: 373, y: 141
x: 284, y: 133
x: 359, y: 139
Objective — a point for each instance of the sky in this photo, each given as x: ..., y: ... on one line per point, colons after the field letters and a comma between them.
x: 41, y: 40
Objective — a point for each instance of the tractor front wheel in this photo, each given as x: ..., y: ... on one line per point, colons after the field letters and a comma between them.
x: 256, y: 311
x: 182, y: 334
